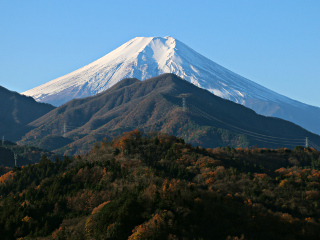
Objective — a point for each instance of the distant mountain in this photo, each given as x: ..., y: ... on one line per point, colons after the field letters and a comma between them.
x: 165, y: 103
x: 146, y: 57
x: 16, y: 111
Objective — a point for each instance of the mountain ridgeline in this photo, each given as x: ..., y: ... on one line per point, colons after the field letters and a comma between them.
x: 146, y: 57
x: 16, y: 112
x: 168, y: 104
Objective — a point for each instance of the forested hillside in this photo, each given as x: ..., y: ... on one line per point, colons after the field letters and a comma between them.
x: 166, y: 104
x: 158, y: 187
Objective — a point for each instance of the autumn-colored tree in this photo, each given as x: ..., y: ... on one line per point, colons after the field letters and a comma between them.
x: 7, y: 177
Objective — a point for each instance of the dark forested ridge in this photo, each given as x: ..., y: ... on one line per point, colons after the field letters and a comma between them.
x: 24, y: 154
x: 167, y: 104
x: 156, y: 186
x: 16, y: 112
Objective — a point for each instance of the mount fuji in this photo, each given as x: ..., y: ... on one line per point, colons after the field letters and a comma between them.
x: 146, y: 57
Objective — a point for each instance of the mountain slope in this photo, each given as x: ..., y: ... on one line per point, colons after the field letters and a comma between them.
x: 157, y: 105
x: 145, y: 57
x: 16, y: 111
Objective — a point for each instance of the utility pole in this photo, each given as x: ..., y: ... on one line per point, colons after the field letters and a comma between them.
x: 183, y: 104
x: 307, y: 142
x: 2, y: 141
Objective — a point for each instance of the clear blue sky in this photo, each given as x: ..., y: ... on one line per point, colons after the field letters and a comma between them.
x: 274, y: 43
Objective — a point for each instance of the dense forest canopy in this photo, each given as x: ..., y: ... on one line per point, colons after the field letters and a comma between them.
x: 155, y: 186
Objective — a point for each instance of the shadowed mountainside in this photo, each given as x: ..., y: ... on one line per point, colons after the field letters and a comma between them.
x: 17, y: 111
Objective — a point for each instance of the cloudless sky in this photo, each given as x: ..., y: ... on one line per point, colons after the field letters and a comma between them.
x: 273, y: 43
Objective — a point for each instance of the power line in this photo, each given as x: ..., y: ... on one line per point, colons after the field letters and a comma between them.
x: 68, y: 128
x: 289, y: 144
x: 312, y: 144
x: 254, y: 135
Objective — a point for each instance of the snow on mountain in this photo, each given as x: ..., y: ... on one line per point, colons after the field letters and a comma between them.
x: 145, y: 57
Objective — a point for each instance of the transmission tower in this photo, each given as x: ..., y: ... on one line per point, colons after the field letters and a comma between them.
x: 307, y: 142
x: 15, y: 159
x: 184, y: 104
x: 64, y: 129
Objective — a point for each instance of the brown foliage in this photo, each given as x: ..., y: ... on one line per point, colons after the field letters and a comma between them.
x: 207, y: 162
x: 97, y: 209
x: 93, y: 175
x: 87, y: 200
x: 7, y: 177
x: 313, y: 194
x: 148, y: 229
x: 128, y: 140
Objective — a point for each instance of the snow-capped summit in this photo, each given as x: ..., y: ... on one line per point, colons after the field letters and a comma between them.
x: 145, y: 57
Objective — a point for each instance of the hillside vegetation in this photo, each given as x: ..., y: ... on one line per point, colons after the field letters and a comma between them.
x: 156, y: 104
x: 158, y: 187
